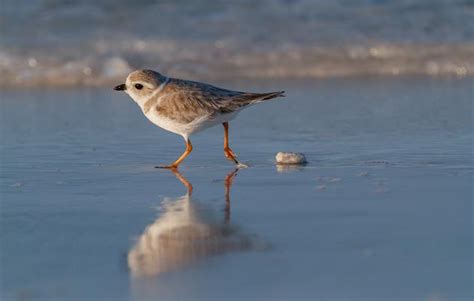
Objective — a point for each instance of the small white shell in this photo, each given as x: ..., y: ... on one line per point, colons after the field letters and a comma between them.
x: 290, y: 158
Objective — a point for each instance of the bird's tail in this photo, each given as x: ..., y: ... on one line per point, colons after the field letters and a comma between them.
x: 270, y: 95
x: 258, y: 97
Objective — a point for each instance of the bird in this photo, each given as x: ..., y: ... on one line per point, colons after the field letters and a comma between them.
x: 185, y: 107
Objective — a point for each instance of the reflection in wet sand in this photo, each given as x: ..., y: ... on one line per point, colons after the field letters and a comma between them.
x: 282, y: 168
x: 186, y: 232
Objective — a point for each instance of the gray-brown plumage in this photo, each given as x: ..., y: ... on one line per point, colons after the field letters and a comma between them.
x: 185, y: 101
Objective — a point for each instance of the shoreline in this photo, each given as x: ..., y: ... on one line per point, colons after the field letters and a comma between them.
x: 99, y: 83
x: 66, y: 68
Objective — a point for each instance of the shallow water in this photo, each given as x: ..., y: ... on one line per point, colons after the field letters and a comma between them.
x: 382, y: 211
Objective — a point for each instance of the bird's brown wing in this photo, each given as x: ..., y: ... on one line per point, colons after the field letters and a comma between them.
x: 188, y: 100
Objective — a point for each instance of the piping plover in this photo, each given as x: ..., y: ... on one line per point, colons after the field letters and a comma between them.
x: 185, y: 107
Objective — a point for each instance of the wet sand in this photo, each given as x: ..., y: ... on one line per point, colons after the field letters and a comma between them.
x: 382, y: 211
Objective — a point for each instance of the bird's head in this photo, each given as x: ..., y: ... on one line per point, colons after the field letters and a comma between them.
x: 141, y: 84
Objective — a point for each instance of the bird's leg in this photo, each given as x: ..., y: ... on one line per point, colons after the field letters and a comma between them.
x: 175, y: 164
x: 227, y: 150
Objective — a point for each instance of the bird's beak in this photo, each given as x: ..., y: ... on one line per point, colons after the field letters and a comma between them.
x: 121, y: 87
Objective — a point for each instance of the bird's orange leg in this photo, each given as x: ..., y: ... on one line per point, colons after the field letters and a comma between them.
x: 227, y: 150
x: 175, y: 164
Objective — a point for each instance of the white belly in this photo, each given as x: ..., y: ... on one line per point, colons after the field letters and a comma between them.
x: 186, y: 129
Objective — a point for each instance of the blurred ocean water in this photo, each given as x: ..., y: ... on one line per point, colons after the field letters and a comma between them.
x: 70, y: 43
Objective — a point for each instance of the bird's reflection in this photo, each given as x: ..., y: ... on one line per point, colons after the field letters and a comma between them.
x: 186, y: 232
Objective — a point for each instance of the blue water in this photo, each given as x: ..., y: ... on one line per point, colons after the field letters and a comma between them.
x: 382, y: 211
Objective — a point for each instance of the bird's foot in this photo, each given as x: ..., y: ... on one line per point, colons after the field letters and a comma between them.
x: 174, y: 167
x: 230, y: 155
x: 241, y: 165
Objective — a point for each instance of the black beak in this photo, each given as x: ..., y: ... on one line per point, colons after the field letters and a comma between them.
x: 121, y: 87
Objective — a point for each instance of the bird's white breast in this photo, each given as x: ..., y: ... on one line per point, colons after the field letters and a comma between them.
x: 186, y: 129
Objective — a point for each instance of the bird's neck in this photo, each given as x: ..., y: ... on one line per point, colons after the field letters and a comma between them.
x: 146, y: 103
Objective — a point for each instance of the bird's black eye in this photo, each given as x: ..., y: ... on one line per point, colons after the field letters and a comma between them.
x: 139, y: 86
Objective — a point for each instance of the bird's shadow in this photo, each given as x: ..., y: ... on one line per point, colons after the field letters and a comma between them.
x: 186, y: 232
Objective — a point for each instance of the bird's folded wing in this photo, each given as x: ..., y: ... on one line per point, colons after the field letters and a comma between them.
x: 190, y: 100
